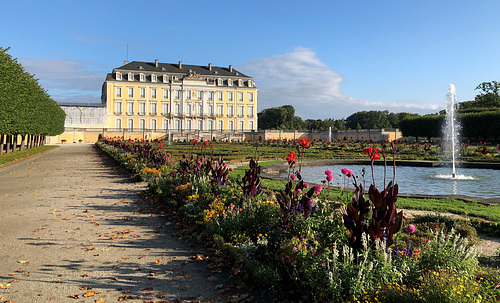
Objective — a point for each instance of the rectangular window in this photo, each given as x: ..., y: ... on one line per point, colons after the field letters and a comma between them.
x: 118, y: 108
x: 199, y: 109
x: 240, y: 97
x: 118, y: 124
x: 177, y: 94
x: 240, y: 111
x: 165, y: 124
x: 177, y: 108
x: 142, y: 108
x: 220, y: 96
x: 153, y: 78
x: 164, y: 108
x: 142, y: 77
x: 153, y: 108
x: 130, y: 92
x: 250, y: 97
x: 220, y: 110
x: 165, y: 93
x: 118, y: 92
x: 210, y: 109
x: 118, y: 77
x: 230, y: 110
x: 130, y: 108
x: 188, y: 94
x: 153, y: 124
x: 229, y: 96
x: 153, y: 93
x: 142, y: 92
x: 200, y: 95
x: 210, y: 96
x: 130, y: 124
x: 250, y: 111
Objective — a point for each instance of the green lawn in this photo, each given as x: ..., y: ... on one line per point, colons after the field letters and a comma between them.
x: 19, y: 155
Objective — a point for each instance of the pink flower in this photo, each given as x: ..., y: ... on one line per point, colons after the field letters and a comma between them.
x: 328, y: 172
x: 230, y: 169
x: 344, y: 171
x: 329, y: 178
x: 350, y: 173
x: 299, y: 191
x: 410, y: 229
x: 306, y: 185
x: 293, y: 177
x: 317, y: 189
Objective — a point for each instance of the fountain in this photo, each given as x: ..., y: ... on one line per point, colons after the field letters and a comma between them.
x: 451, y: 128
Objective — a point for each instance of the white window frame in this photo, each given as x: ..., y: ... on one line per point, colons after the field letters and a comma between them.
x: 230, y: 125
x: 210, y: 109
x: 250, y: 83
x: 240, y: 96
x: 130, y: 107
x: 210, y: 96
x: 153, y: 124
x: 211, y: 124
x: 188, y: 94
x: 250, y: 125
x: 240, y: 82
x: 177, y: 94
x: 142, y: 108
x: 130, y: 77
x: 130, y: 124
x: 142, y: 77
x: 188, y: 109
x: 230, y: 96
x: 230, y: 110
x: 164, y: 108
x: 165, y: 93
x: 153, y: 93
x: 118, y: 107
x: 118, y: 123
x: 118, y: 76
x: 188, y: 125
x: 166, y: 124
x: 221, y: 125
x: 200, y: 95
x: 199, y: 109
x: 220, y: 96
x: 241, y: 125
x: 220, y: 110
x: 153, y: 108
x: 219, y: 82
x: 142, y: 124
x: 200, y: 125
x: 154, y: 78
x: 229, y: 82
x: 177, y: 124
x: 240, y: 110
x: 165, y: 78
x: 130, y: 92
x: 142, y: 92
x: 250, y: 110
x: 250, y: 97
x: 177, y: 108
x: 118, y: 91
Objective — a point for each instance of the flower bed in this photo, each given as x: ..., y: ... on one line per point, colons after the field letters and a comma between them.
x: 302, y: 245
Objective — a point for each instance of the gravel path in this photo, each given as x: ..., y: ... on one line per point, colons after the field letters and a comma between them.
x: 73, y: 228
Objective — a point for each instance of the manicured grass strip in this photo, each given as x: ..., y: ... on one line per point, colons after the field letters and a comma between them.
x: 469, y: 209
x: 19, y: 155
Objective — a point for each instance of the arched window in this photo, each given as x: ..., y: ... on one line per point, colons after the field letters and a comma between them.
x: 241, y: 125
x: 142, y: 124
x: 200, y: 124
x: 165, y: 124
x: 130, y: 124
x: 188, y: 124
x: 211, y: 124
x: 221, y: 125
x: 177, y: 124
x: 230, y: 125
x: 250, y: 125
x: 118, y: 124
x: 153, y: 124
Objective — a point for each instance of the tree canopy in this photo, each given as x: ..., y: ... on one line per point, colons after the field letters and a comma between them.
x: 25, y: 107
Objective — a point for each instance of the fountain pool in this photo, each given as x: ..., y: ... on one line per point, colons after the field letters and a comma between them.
x: 472, y: 182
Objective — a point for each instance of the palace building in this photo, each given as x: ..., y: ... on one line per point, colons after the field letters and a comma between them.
x: 178, y: 97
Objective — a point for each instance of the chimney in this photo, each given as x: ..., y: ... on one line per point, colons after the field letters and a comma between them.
x: 180, y: 64
x: 125, y: 62
x: 156, y: 62
x: 230, y: 68
x: 210, y: 66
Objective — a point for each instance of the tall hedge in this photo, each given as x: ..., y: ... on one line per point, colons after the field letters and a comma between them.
x: 483, y: 125
x: 25, y: 107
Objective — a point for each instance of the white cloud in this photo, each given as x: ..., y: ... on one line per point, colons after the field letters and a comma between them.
x: 66, y: 79
x: 301, y: 79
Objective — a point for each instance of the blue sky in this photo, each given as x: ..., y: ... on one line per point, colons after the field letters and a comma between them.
x: 328, y: 59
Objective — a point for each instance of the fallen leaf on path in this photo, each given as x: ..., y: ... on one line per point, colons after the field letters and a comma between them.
x: 158, y: 261
x: 101, y: 300
x: 89, y: 293
x: 85, y: 287
x: 74, y: 296
x: 4, y: 285
x: 23, y: 262
x: 14, y: 281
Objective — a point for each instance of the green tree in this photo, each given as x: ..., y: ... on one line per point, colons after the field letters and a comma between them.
x: 489, y: 94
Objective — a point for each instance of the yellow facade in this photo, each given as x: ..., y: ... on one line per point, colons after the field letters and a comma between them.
x: 174, y: 97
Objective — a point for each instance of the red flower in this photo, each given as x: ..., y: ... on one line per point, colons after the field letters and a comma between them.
x: 291, y: 158
x: 304, y: 142
x: 210, y: 144
x: 195, y: 141
x: 372, y: 153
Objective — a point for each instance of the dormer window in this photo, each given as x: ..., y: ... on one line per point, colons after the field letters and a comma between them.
x: 219, y: 82
x: 130, y: 77
x: 142, y: 77
x: 240, y: 82
x: 176, y: 78
x: 153, y: 78
x: 229, y: 82
x: 250, y: 84
x: 118, y: 76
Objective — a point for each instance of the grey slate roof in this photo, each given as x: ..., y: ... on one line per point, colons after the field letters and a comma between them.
x: 135, y: 66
